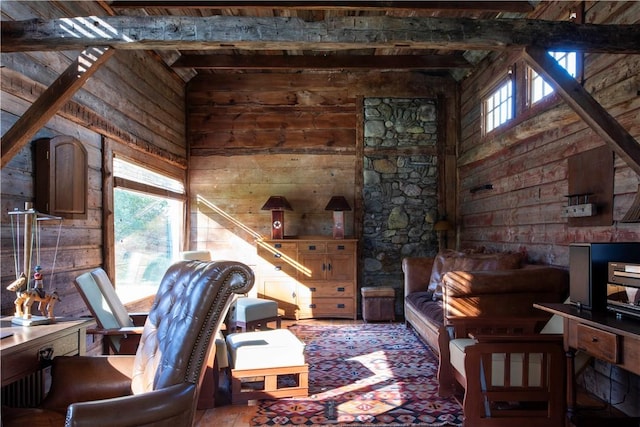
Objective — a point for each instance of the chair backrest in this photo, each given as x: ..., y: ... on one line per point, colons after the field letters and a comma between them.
x: 98, y: 293
x: 187, y: 312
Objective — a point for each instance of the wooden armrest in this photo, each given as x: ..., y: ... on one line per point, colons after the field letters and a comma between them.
x: 518, y: 338
x: 138, y: 319
x: 129, y: 330
x: 462, y: 326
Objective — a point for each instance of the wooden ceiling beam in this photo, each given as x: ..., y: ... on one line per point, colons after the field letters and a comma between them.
x: 494, y: 6
x: 332, y: 62
x: 48, y: 104
x: 594, y: 114
x: 282, y: 33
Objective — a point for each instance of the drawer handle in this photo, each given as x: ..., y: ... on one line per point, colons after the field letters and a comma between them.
x: 277, y: 255
x: 277, y: 268
x: 340, y: 305
x: 312, y: 289
x: 341, y: 247
x: 594, y: 339
x: 340, y: 289
x: 278, y: 245
x: 46, y: 354
x: 312, y: 247
x: 312, y: 306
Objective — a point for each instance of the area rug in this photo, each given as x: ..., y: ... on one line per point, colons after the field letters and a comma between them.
x: 364, y: 375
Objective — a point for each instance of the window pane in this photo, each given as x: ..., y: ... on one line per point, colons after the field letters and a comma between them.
x: 498, y: 106
x: 147, y: 232
x: 538, y: 88
x: 133, y: 172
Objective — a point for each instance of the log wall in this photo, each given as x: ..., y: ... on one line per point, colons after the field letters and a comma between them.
x: 296, y: 135
x: 527, y: 162
x: 133, y: 101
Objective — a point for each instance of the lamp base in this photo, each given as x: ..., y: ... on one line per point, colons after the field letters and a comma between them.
x: 338, y: 224
x: 277, y: 224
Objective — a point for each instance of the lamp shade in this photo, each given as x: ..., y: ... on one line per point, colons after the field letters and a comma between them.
x: 276, y: 203
x: 338, y: 203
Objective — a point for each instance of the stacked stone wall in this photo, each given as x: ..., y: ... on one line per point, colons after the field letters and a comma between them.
x: 400, y: 188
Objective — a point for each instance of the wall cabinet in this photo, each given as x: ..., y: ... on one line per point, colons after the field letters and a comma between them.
x: 310, y: 277
x: 61, y: 177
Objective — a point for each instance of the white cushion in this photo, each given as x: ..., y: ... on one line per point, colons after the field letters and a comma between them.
x: 265, y: 349
x: 498, y: 362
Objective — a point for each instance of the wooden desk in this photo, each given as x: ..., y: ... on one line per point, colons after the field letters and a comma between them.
x: 28, y: 349
x: 603, y: 335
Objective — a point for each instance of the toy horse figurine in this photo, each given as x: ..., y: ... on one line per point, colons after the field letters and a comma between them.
x: 26, y: 297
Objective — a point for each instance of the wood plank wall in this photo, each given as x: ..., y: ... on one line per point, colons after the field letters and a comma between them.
x: 256, y: 135
x: 527, y: 162
x: 133, y: 100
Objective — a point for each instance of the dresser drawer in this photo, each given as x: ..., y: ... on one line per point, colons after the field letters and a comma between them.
x: 326, y: 290
x: 598, y: 343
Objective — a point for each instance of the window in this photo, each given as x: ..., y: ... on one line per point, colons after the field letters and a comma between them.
x: 498, y: 106
x: 538, y: 88
x: 148, y: 224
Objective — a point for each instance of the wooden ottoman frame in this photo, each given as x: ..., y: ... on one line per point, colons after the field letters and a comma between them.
x: 270, y: 387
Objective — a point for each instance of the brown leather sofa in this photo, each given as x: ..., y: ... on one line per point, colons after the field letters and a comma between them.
x: 457, y: 284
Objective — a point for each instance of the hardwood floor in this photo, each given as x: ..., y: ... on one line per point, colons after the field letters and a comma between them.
x: 241, y: 415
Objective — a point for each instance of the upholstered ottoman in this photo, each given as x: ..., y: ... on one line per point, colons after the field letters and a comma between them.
x: 378, y: 304
x: 266, y: 365
x: 250, y: 313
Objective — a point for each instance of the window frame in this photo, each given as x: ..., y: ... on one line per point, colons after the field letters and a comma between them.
x: 494, y: 88
x: 112, y: 149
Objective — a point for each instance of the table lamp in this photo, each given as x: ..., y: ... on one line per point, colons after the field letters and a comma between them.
x: 338, y: 204
x: 277, y: 205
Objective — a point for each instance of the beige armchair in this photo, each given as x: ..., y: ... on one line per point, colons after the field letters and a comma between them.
x: 511, y: 374
x: 159, y: 385
x: 120, y: 329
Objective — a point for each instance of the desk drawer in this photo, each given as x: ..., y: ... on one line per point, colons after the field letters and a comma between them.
x: 18, y: 365
x: 598, y: 343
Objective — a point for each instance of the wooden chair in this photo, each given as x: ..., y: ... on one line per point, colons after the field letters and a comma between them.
x: 511, y: 374
x: 120, y: 329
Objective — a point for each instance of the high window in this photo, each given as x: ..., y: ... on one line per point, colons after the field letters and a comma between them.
x: 540, y: 89
x: 148, y: 223
x: 498, y: 106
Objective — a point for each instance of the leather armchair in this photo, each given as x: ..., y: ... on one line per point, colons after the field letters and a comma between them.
x: 159, y: 385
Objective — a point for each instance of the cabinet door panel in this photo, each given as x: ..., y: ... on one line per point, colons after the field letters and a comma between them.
x: 341, y: 267
x: 312, y: 267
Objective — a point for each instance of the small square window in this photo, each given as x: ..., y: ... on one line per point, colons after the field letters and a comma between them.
x: 498, y: 106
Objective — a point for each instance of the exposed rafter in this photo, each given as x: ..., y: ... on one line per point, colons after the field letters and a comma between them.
x: 586, y: 107
x: 278, y: 33
x: 47, y: 105
x: 355, y: 62
x: 497, y: 6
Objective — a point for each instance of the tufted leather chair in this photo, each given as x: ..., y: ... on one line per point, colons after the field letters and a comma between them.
x: 159, y: 385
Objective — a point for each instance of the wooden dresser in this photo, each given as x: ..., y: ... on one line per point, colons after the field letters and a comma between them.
x: 603, y: 335
x: 310, y: 277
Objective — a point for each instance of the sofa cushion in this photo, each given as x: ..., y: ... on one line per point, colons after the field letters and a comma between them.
x: 461, y: 261
x: 424, y: 304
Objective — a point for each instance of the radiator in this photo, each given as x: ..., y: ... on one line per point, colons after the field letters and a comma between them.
x: 27, y: 392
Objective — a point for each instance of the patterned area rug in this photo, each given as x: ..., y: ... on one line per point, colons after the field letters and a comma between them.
x: 364, y: 375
